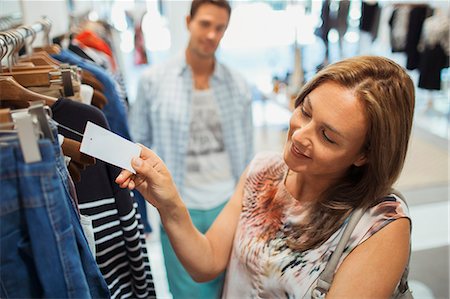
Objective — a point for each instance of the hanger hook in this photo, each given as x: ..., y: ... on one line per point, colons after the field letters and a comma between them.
x: 28, y: 33
x: 10, y: 46
x: 47, y: 27
x: 33, y: 37
x: 20, y: 38
x: 3, y: 50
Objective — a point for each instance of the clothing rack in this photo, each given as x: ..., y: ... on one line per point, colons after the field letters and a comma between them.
x: 26, y: 31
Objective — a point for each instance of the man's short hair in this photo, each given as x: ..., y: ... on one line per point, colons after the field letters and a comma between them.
x: 220, y: 3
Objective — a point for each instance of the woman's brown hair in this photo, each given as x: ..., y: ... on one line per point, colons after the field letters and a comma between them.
x: 387, y: 93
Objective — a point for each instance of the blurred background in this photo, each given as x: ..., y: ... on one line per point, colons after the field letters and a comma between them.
x: 277, y: 46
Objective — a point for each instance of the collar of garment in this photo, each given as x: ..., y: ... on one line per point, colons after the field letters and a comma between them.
x: 182, y: 67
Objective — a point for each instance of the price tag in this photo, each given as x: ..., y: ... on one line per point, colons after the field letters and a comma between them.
x: 109, y: 147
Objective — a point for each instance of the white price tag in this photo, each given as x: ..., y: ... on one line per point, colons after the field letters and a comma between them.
x: 109, y: 147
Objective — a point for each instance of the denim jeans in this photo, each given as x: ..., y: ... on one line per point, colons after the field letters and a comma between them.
x: 43, y: 252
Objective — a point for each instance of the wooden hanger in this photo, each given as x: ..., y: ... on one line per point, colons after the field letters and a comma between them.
x: 5, y: 116
x: 98, y: 99
x: 34, y: 78
x: 13, y: 91
x: 79, y: 161
x: 29, y: 66
x: 50, y: 49
x: 89, y: 79
x: 40, y: 58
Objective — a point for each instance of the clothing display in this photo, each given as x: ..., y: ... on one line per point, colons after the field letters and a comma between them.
x: 417, y: 16
x: 38, y: 216
x: 370, y: 17
x: 422, y: 33
x: 119, y: 237
x: 98, y: 248
x: 115, y: 110
x: 435, y: 50
x: 261, y: 264
x: 399, y: 23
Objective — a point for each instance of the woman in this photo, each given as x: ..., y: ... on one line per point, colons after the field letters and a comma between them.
x: 345, y: 148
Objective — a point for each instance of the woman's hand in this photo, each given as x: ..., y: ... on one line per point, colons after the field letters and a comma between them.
x: 152, y: 179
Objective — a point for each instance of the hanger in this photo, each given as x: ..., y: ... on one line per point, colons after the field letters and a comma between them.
x: 24, y: 128
x: 13, y: 91
x: 89, y: 79
x: 25, y: 78
x: 98, y: 99
x: 48, y: 47
x: 79, y: 161
x: 5, y: 116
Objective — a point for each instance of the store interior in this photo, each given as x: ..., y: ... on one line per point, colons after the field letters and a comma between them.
x: 277, y: 47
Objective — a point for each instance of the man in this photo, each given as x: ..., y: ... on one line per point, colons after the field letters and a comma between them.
x: 195, y: 113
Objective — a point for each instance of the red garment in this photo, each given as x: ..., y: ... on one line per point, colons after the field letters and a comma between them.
x: 140, y: 54
x: 90, y: 39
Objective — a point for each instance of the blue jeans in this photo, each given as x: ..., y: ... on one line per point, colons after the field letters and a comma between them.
x: 43, y: 251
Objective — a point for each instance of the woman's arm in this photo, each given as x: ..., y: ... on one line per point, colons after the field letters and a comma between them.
x: 373, y: 268
x: 203, y: 256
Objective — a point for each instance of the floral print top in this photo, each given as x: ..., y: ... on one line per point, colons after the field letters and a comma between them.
x: 261, y: 264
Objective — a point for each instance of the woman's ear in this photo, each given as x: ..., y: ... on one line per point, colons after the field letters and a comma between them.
x: 361, y: 160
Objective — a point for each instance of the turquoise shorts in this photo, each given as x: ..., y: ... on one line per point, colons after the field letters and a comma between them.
x: 181, y: 285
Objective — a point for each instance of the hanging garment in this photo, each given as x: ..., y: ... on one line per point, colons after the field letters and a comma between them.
x: 435, y: 45
x: 432, y: 61
x: 119, y: 237
x: 399, y: 28
x: 43, y: 251
x: 92, y: 40
x: 416, y: 18
x: 115, y: 109
x: 140, y: 53
x: 370, y: 18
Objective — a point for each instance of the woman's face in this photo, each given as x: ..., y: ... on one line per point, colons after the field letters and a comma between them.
x: 326, y: 133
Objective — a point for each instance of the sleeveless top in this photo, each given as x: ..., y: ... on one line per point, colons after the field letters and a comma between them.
x: 261, y: 263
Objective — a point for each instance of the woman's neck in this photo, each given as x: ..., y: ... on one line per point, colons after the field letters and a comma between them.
x: 305, y: 188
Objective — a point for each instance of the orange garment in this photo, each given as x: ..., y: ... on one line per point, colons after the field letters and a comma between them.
x: 90, y: 39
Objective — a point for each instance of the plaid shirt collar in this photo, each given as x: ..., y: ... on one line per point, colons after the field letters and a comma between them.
x: 182, y: 67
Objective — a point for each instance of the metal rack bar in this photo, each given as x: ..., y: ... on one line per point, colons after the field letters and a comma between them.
x: 36, y: 27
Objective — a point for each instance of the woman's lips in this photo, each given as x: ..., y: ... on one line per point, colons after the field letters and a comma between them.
x: 298, y: 153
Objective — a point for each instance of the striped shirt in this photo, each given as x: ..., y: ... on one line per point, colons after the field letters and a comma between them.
x: 161, y: 114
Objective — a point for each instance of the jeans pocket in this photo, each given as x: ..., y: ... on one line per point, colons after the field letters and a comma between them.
x: 19, y: 278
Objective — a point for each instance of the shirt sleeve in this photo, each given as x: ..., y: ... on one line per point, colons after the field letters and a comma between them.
x: 140, y: 116
x: 248, y: 123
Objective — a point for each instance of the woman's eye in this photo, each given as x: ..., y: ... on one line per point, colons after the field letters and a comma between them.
x: 305, y: 113
x: 327, y: 138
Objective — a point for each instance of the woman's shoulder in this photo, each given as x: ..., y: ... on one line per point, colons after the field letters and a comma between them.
x: 391, y: 208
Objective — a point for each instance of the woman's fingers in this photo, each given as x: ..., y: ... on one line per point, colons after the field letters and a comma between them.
x: 124, y: 179
x: 149, y: 167
x: 144, y: 168
x: 123, y: 176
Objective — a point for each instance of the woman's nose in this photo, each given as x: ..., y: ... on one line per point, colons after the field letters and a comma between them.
x: 303, y: 134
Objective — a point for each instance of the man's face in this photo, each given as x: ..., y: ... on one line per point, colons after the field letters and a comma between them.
x: 207, y: 28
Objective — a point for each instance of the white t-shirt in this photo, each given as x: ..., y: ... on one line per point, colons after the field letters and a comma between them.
x: 208, y: 181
